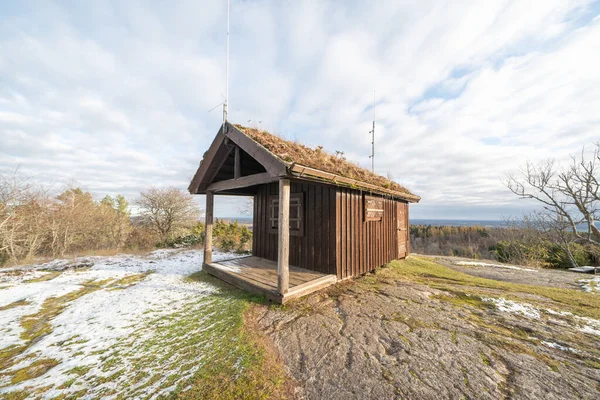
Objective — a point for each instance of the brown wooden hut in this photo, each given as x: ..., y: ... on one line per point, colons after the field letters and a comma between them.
x: 317, y: 217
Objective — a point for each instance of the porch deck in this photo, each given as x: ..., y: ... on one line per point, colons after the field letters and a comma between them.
x: 259, y: 275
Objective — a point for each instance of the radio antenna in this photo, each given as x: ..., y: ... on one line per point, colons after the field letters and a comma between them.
x: 372, y: 132
x: 226, y: 103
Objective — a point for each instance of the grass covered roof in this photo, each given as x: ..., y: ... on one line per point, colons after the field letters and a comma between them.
x: 297, y: 153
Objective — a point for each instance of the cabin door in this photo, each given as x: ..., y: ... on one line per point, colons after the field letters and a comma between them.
x: 402, y: 223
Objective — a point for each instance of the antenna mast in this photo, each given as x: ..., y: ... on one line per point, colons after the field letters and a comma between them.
x: 372, y: 132
x: 225, y: 104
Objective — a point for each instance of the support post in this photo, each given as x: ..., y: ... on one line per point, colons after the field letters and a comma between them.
x: 283, y: 256
x: 237, y: 165
x: 208, y: 227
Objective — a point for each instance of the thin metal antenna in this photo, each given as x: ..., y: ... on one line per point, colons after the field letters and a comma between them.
x: 226, y: 103
x: 372, y: 132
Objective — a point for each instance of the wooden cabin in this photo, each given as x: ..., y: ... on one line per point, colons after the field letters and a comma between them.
x: 317, y: 219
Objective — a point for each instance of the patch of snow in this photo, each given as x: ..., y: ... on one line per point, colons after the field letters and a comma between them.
x: 584, y: 324
x: 559, y: 347
x: 12, y: 277
x: 511, y: 306
x: 591, y: 329
x: 96, y: 322
x: 483, y: 264
x: 591, y: 285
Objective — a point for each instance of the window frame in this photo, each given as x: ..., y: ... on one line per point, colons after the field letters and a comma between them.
x: 296, y: 201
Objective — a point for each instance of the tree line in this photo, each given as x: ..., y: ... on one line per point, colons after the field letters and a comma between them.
x: 518, y: 242
x: 35, y: 222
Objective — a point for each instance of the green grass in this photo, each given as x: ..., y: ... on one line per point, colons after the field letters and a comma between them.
x: 427, y: 272
x: 240, y: 364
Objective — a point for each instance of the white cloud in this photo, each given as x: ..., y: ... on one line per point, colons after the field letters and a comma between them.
x: 116, y: 95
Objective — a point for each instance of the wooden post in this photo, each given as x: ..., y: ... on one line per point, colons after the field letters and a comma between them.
x: 283, y: 255
x: 208, y: 227
x: 237, y: 164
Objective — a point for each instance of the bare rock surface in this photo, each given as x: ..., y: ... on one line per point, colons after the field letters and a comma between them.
x: 397, y: 339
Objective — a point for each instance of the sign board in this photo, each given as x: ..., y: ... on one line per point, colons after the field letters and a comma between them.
x: 373, y: 208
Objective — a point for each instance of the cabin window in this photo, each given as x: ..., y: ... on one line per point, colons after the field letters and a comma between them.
x: 296, y: 214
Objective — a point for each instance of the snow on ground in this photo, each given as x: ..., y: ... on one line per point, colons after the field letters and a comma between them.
x: 100, y: 321
x: 483, y: 264
x: 513, y: 307
x: 559, y: 346
x: 591, y: 285
x: 584, y: 324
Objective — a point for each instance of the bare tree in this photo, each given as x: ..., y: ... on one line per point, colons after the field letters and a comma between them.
x: 167, y: 209
x: 22, y: 213
x: 571, y: 195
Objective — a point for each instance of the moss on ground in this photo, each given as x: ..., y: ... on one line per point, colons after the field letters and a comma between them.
x: 463, y: 299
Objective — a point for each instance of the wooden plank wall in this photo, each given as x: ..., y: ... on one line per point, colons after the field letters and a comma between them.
x: 316, y: 249
x: 364, y: 246
x: 357, y: 248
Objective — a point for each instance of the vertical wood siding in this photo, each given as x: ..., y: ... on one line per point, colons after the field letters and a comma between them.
x: 336, y: 238
x: 364, y: 246
x: 315, y: 250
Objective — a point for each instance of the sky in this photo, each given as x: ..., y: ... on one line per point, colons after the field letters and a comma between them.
x: 116, y: 95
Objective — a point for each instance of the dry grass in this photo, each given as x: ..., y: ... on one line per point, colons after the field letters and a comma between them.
x: 293, y: 152
x: 14, y: 304
x: 34, y: 370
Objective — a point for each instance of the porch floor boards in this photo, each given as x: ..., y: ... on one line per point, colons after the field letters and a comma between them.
x: 259, y: 275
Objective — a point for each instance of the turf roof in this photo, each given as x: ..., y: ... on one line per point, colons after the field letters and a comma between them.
x: 294, y: 152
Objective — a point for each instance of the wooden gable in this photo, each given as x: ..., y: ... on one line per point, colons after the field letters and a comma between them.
x: 233, y: 162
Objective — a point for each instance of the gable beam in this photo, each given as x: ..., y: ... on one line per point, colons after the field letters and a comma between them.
x: 273, y: 165
x: 219, y: 160
x: 205, y: 164
x: 237, y: 164
x: 244, y: 181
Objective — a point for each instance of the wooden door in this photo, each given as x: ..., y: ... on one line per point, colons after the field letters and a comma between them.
x: 402, y: 234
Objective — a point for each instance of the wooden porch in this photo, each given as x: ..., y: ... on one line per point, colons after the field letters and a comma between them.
x: 258, y: 275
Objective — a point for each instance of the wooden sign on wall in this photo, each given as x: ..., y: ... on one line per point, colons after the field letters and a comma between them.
x: 373, y: 208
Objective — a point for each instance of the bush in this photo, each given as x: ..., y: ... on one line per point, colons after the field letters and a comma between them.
x: 141, y: 238
x: 544, y: 253
x: 184, y: 241
x: 231, y: 236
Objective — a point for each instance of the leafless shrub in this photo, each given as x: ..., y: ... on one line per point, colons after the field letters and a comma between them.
x: 167, y: 210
